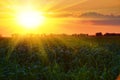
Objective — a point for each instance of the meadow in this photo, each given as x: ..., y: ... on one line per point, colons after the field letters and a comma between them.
x: 60, y: 57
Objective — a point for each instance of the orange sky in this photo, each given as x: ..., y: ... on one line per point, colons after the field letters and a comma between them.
x: 8, y: 10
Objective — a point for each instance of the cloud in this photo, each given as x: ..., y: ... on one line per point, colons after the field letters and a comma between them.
x: 90, y: 18
x: 100, y: 19
x: 103, y: 22
x: 97, y: 15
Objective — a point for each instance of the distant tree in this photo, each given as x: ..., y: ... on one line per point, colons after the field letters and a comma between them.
x: 83, y: 35
x: 99, y: 34
x: 111, y: 34
x: 15, y: 35
x: 0, y: 36
x: 74, y: 35
x: 80, y: 35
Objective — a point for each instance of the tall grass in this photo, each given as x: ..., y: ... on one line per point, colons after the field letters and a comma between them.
x: 60, y: 58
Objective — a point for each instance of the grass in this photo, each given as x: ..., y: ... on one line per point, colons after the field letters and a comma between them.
x: 60, y: 58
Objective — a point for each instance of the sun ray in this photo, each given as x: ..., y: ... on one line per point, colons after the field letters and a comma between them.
x: 29, y: 23
x: 56, y: 6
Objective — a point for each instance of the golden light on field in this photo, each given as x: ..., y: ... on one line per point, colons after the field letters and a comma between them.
x: 30, y: 19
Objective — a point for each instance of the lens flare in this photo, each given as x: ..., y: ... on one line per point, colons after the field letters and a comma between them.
x: 30, y: 19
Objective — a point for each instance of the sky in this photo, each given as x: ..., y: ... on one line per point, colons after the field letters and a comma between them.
x: 63, y: 16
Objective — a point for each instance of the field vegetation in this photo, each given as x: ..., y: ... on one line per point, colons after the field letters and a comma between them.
x: 60, y: 57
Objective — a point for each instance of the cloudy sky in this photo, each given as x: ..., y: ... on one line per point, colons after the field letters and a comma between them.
x: 99, y: 15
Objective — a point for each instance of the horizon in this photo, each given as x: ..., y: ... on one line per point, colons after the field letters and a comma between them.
x: 64, y: 34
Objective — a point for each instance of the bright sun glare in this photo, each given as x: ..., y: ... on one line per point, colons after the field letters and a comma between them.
x: 30, y: 19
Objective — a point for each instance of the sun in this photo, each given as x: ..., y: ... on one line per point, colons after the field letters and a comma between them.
x: 30, y: 19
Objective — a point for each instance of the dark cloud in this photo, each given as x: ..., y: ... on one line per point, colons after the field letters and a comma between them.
x: 91, y: 18
x: 103, y: 22
x: 100, y: 19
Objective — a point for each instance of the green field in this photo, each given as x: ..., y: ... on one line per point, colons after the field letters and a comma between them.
x: 60, y: 58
